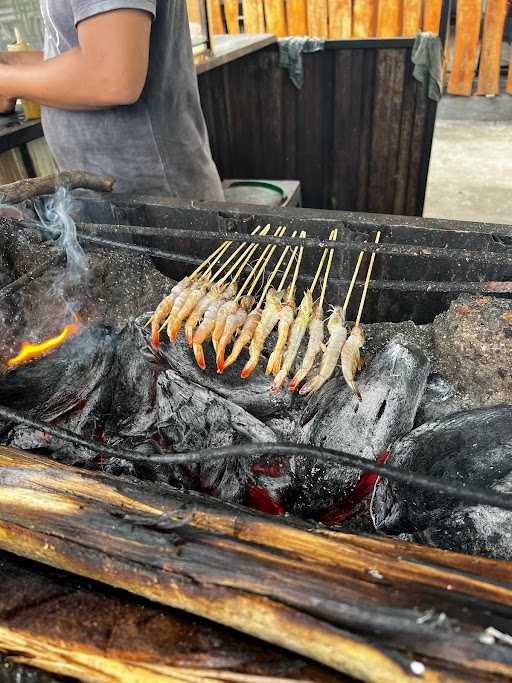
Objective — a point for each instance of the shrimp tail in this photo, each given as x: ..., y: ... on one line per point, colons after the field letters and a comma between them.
x: 250, y: 366
x: 355, y: 390
x: 174, y: 330
x: 189, y: 331
x: 278, y: 382
x: 199, y: 355
x: 270, y: 365
x: 221, y: 348
x: 299, y: 376
x: 235, y: 352
x: 155, y: 335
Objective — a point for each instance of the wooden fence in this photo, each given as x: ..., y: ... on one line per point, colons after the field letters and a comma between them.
x: 477, y: 42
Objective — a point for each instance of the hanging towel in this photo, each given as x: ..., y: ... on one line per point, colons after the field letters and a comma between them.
x: 290, y: 55
x: 427, y: 57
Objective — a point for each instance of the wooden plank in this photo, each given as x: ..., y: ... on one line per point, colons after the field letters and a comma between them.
x: 367, y: 102
x: 340, y: 18
x: 466, y: 47
x: 317, y: 18
x: 490, y: 55
x: 508, y: 88
x: 412, y: 15
x: 389, y: 18
x: 275, y: 17
x: 432, y: 15
x: 296, y: 13
x: 231, y: 14
x: 406, y: 131
x: 364, y: 18
x: 216, y: 17
x: 251, y: 16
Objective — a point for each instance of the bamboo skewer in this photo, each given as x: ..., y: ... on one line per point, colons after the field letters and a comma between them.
x: 271, y: 278
x: 320, y: 266
x: 240, y: 258
x: 327, y: 270
x: 288, y: 267
x: 256, y: 271
x: 293, y: 284
x: 366, y: 283
x: 353, y: 281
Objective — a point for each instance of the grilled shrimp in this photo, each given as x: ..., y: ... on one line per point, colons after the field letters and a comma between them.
x: 234, y: 322
x: 228, y: 308
x: 269, y: 319
x: 286, y: 316
x: 297, y: 333
x: 202, y: 306
x: 316, y: 339
x: 337, y: 338
x: 178, y: 315
x: 245, y: 337
x: 351, y: 359
x: 205, y: 329
x: 164, y: 308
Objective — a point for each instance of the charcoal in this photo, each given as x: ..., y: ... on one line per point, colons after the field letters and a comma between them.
x: 55, y: 384
x: 470, y: 448
x: 440, y: 399
x: 473, y: 347
x: 392, y: 387
x: 252, y: 394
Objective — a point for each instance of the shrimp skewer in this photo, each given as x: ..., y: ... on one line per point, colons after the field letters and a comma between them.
x: 297, y: 333
x: 269, y: 319
x: 315, y: 342
x: 337, y: 339
x: 316, y: 322
x: 254, y: 317
x: 351, y: 360
x: 234, y: 321
x: 164, y: 308
x: 197, y: 314
x: 287, y: 315
x: 207, y: 325
x: 180, y: 314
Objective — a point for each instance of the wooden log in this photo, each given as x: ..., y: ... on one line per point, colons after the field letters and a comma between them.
x: 466, y: 47
x: 297, y: 17
x: 432, y: 15
x: 231, y: 14
x: 389, y: 18
x: 362, y: 606
x: 53, y: 621
x: 34, y: 187
x: 364, y: 18
x: 340, y: 18
x: 317, y: 18
x: 412, y: 15
x: 490, y: 55
x: 275, y: 17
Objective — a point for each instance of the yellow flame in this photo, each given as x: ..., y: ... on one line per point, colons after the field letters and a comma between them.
x: 29, y: 351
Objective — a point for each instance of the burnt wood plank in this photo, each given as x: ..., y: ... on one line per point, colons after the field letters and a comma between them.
x: 367, y: 104
x: 405, y: 143
x: 308, y: 591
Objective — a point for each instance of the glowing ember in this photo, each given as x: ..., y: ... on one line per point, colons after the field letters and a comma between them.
x: 30, y: 351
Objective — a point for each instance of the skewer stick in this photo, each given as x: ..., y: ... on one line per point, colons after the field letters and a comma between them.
x: 217, y: 258
x: 242, y: 260
x: 353, y: 281
x: 320, y: 265
x: 327, y: 270
x: 272, y: 276
x: 262, y: 268
x: 255, y: 271
x: 366, y: 283
x: 291, y: 289
x: 288, y: 267
x: 236, y: 252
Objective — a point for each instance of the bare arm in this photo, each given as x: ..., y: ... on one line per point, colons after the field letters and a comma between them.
x: 109, y: 67
x: 7, y: 104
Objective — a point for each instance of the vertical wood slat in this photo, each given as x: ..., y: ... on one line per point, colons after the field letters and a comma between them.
x: 296, y: 14
x: 412, y: 11
x: 231, y: 14
x: 275, y: 17
x: 467, y: 36
x: 364, y: 17
x: 340, y: 18
x: 253, y: 16
x: 490, y: 55
x: 317, y: 18
x: 432, y: 15
x: 389, y: 18
x: 216, y: 17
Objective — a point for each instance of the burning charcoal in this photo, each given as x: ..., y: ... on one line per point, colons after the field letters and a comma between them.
x: 252, y: 394
x: 472, y: 447
x: 392, y: 387
x: 473, y: 345
x: 439, y: 400
x: 192, y: 417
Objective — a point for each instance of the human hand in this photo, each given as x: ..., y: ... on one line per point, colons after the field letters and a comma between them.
x: 7, y: 104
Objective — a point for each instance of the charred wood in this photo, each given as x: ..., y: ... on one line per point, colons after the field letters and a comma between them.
x: 29, y: 188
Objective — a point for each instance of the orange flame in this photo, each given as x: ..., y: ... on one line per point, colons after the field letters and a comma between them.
x: 30, y: 351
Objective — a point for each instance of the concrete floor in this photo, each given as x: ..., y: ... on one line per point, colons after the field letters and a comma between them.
x: 470, y: 175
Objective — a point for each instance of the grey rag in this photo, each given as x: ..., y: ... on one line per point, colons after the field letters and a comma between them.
x: 427, y: 57
x: 290, y: 55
